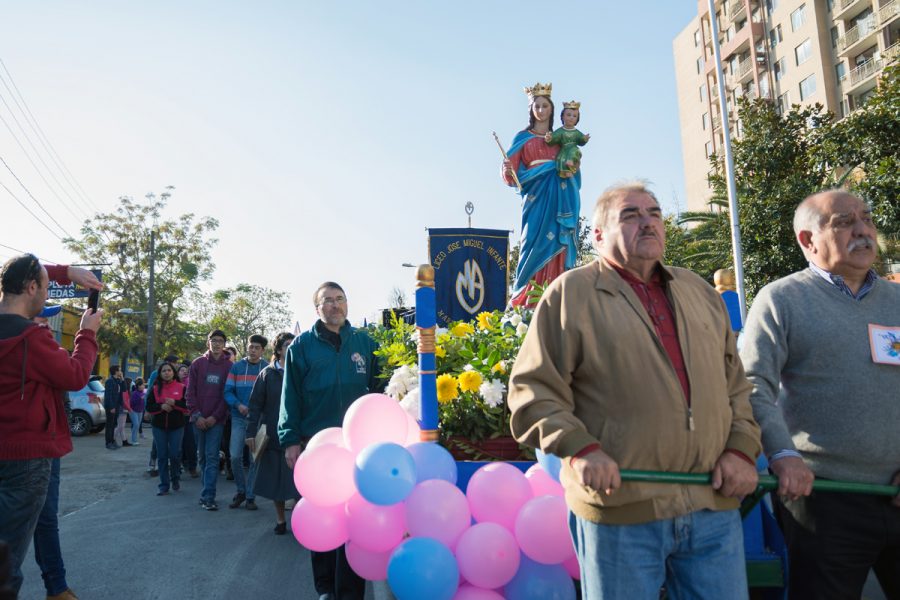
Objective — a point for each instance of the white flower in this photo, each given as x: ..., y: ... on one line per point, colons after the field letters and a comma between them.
x: 515, y: 320
x: 404, y: 379
x: 492, y: 392
x: 440, y: 331
x: 414, y: 337
x: 410, y: 402
x: 468, y: 368
x: 521, y: 328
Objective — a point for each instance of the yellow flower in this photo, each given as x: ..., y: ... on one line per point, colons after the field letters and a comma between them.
x: 440, y: 352
x: 443, y: 338
x: 462, y: 329
x: 469, y: 381
x: 484, y: 320
x: 446, y: 388
x: 500, y: 367
x: 395, y: 353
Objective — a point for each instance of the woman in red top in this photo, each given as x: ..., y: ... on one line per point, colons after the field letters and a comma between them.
x: 168, y: 409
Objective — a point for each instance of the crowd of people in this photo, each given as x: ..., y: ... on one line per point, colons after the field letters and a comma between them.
x: 627, y: 363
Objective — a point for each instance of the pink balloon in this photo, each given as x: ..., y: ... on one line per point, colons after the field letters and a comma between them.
x: 412, y: 430
x: 496, y: 492
x: 572, y: 567
x: 375, y: 528
x: 324, y: 475
x: 367, y: 564
x: 374, y: 418
x: 541, y: 483
x: 437, y: 509
x: 330, y: 435
x: 470, y: 592
x: 488, y: 556
x: 542, y: 530
x: 319, y: 528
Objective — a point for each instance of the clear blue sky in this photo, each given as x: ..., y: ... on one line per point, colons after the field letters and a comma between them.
x: 326, y: 136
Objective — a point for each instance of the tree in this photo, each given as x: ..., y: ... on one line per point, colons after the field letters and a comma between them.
x: 245, y: 310
x: 121, y: 240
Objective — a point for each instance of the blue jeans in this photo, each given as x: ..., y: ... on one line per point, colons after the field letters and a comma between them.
x: 135, y: 425
x: 47, y: 553
x: 697, y: 555
x: 23, y: 489
x: 238, y: 435
x: 208, y: 442
x: 168, y: 450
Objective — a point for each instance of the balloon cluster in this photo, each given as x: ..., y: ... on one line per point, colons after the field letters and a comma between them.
x: 394, y: 502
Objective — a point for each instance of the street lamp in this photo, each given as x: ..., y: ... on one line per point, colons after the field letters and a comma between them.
x: 409, y: 265
x: 131, y: 311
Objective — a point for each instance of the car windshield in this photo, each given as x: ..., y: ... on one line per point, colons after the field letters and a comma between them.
x: 95, y: 386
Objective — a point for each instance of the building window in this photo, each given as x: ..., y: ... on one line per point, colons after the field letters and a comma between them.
x: 705, y: 120
x: 771, y: 5
x: 700, y: 63
x: 703, y: 93
x: 696, y: 38
x: 780, y: 68
x: 840, y: 71
x: 775, y: 36
x: 834, y: 36
x: 829, y: 5
x: 709, y: 149
x: 784, y: 102
x: 808, y: 87
x: 803, y: 52
x: 798, y: 18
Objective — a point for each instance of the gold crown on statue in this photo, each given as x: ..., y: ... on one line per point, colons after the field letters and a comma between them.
x: 572, y: 104
x: 539, y: 89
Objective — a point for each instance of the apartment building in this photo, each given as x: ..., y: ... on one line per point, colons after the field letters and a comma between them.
x: 788, y: 51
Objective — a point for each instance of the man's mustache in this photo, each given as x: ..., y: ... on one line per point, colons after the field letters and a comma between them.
x: 863, y: 242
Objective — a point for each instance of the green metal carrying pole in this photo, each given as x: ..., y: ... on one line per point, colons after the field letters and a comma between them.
x: 766, y: 483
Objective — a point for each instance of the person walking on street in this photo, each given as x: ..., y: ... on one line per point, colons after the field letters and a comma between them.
x: 189, y: 442
x: 206, y: 403
x: 124, y: 412
x: 113, y: 403
x: 274, y: 479
x: 327, y: 368
x: 168, y: 410
x: 136, y: 406
x: 240, y: 382
x: 34, y: 373
x: 629, y: 363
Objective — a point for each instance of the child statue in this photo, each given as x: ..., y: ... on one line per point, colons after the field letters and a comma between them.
x: 569, y: 158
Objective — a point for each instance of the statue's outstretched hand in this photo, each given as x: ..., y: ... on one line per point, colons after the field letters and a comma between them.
x: 587, y: 138
x: 548, y: 136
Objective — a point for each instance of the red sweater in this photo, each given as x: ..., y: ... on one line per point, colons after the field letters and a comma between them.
x: 34, y: 373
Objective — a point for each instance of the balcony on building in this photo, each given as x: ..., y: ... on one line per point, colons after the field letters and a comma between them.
x: 847, y: 9
x: 738, y: 10
x: 744, y: 71
x: 864, y: 77
x: 888, y: 12
x: 865, y: 31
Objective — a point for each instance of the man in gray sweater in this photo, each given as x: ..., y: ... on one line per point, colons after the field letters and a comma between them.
x: 827, y: 397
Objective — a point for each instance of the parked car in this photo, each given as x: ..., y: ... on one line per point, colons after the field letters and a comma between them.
x: 85, y: 408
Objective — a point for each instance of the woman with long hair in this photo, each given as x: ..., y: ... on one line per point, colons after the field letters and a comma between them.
x: 168, y: 409
x: 136, y: 409
x: 551, y: 204
x: 274, y: 479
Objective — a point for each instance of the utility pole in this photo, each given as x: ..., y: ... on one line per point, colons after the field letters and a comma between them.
x: 151, y: 305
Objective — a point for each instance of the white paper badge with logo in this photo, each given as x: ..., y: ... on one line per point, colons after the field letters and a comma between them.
x: 885, y: 344
x: 359, y: 361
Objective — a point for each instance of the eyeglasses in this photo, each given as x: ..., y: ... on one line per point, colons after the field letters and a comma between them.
x: 217, y: 341
x: 332, y: 301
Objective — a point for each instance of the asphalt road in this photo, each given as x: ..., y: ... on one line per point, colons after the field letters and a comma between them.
x: 119, y: 540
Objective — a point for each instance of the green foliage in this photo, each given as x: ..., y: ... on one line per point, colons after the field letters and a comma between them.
x: 122, y: 239
x: 779, y: 161
x: 245, y: 310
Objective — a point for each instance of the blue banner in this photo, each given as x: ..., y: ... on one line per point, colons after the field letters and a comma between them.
x: 470, y: 271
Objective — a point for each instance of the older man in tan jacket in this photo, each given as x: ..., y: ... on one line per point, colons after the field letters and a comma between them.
x: 630, y: 363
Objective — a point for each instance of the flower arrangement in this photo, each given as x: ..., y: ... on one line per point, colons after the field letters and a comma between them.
x: 473, y: 365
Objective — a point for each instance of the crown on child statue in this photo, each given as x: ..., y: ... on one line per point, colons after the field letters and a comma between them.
x: 572, y: 104
x: 539, y: 89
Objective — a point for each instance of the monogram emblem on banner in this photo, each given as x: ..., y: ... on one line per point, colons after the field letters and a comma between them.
x: 471, y: 280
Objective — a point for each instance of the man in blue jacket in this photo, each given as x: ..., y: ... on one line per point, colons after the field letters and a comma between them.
x: 326, y: 369
x: 240, y: 382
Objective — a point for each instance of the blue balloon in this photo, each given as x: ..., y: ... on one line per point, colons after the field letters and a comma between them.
x: 423, y: 568
x: 550, y: 462
x: 534, y: 581
x: 433, y: 462
x: 385, y: 473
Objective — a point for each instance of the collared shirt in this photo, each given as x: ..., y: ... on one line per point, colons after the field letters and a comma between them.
x: 839, y: 283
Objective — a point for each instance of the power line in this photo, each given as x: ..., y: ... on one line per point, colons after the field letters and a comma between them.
x: 63, y: 229
x: 16, y: 198
x: 42, y: 137
x: 43, y: 260
x: 40, y: 174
